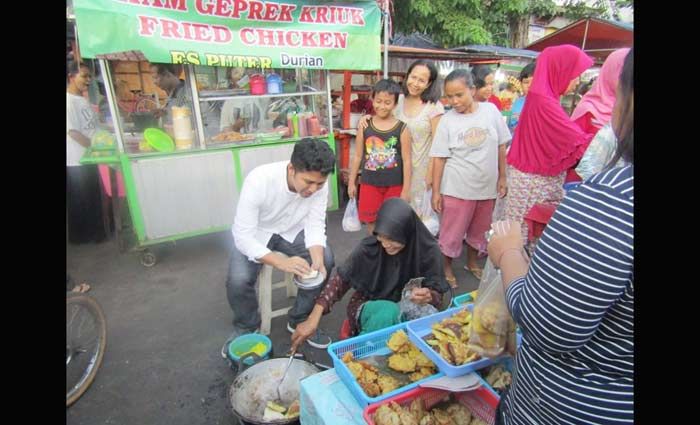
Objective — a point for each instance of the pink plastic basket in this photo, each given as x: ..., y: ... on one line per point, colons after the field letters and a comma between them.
x: 481, y: 402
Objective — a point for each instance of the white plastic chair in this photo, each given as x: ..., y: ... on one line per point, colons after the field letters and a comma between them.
x: 265, y: 287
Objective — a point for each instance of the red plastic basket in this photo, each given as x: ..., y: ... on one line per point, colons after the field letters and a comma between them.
x: 481, y: 402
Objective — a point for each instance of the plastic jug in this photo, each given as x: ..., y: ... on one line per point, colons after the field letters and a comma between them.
x: 274, y: 84
x: 295, y: 125
x: 257, y: 84
x: 303, y: 130
x: 314, y: 127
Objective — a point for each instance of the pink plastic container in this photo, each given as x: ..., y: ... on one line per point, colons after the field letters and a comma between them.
x: 258, y: 84
x: 107, y: 184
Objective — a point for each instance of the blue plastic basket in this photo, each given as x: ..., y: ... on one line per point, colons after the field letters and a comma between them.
x: 373, y: 343
x: 460, y: 300
x: 419, y: 328
x: 509, y: 366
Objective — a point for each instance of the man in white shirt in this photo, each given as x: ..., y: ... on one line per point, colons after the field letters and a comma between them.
x: 83, y: 203
x: 282, y: 208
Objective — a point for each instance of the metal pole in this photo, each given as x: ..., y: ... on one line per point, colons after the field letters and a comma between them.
x: 191, y: 81
x: 585, y: 34
x: 112, y: 103
x: 386, y: 39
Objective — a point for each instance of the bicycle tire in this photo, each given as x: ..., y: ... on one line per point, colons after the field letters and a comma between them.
x: 90, y: 305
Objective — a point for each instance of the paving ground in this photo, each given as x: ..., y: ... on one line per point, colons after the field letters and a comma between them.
x: 166, y: 325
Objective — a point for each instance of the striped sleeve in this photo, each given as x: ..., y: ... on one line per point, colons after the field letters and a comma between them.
x: 582, y: 265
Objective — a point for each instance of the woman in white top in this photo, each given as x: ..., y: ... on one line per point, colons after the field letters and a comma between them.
x: 419, y: 107
x: 82, y: 182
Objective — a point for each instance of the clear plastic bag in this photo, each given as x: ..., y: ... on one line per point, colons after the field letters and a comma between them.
x: 351, y: 218
x: 427, y: 215
x: 410, y: 310
x: 492, y: 325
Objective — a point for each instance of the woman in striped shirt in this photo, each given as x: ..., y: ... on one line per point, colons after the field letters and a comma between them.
x: 575, y: 302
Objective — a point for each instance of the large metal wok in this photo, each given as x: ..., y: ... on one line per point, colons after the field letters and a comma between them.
x: 256, y: 385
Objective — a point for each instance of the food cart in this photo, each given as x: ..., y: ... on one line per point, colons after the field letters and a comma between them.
x: 183, y: 174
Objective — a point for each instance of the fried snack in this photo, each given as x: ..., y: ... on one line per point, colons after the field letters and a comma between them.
x: 459, y: 352
x: 367, y: 377
x: 463, y: 317
x: 387, y: 383
x: 423, y: 372
x: 442, y: 417
x: 398, y: 342
x: 422, y: 361
x: 402, y: 363
x: 385, y: 415
x: 276, y: 407
x: 459, y: 414
x: 293, y: 409
x: 451, y: 338
x: 477, y: 421
x: 232, y: 136
x: 493, y: 318
x: 371, y: 389
x: 428, y: 419
x: 355, y: 368
x: 499, y: 378
x: 370, y: 379
x: 417, y: 409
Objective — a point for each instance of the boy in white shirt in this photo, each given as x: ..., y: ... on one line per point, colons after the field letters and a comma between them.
x: 282, y: 208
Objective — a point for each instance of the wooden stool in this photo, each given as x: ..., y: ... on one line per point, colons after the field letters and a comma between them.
x: 265, y: 287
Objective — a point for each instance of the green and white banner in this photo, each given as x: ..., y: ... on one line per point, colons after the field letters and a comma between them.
x: 239, y: 33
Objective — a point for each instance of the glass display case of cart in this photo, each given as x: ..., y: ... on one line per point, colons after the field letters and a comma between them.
x: 246, y: 106
x: 154, y: 107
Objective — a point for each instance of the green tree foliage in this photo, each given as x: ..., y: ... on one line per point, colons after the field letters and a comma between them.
x: 501, y: 22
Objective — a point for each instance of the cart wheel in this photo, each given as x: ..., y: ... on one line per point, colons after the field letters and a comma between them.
x: 148, y: 259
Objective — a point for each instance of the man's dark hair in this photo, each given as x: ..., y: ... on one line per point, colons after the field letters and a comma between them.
x: 527, y: 72
x: 313, y: 155
x: 432, y: 93
x: 387, y: 86
x: 480, y: 72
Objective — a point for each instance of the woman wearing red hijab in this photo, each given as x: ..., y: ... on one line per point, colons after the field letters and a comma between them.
x: 546, y: 142
x: 595, y: 109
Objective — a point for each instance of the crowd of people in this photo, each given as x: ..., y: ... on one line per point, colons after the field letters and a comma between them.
x: 572, y: 297
x: 571, y: 291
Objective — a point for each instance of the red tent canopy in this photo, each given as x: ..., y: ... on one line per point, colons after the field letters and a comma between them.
x: 597, y: 37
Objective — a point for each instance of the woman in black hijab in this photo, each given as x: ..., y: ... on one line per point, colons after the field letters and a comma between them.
x: 400, y: 249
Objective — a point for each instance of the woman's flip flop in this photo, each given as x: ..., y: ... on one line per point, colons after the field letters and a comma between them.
x: 477, y: 272
x: 452, y: 282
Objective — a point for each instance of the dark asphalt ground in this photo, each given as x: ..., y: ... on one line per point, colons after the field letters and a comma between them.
x: 166, y: 325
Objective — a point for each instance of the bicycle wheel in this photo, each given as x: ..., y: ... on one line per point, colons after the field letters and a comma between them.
x: 86, y: 337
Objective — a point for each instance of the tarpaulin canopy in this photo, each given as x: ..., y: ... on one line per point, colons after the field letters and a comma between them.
x: 496, y: 52
x: 597, y: 37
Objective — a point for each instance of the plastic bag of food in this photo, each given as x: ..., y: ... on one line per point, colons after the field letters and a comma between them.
x: 351, y: 219
x: 491, y: 321
x: 427, y: 215
x: 410, y: 310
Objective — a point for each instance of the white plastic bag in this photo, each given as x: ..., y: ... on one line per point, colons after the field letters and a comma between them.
x: 351, y: 219
x: 427, y: 215
x: 491, y: 322
x: 409, y: 309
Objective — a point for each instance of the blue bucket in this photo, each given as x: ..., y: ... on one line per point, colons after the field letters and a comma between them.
x: 244, y: 344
